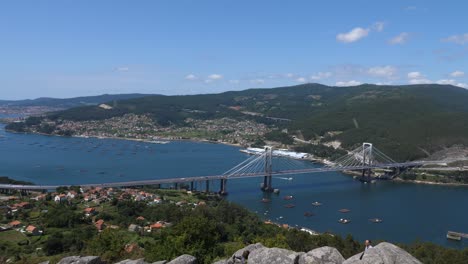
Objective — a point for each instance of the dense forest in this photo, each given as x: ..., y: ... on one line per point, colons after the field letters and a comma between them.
x: 406, y: 122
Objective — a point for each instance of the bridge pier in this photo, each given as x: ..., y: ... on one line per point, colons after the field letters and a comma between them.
x: 191, y: 186
x: 222, y: 189
x: 268, y: 179
x: 207, y: 190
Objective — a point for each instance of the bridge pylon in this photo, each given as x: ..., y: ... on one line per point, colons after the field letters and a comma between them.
x: 267, y: 179
x: 367, y: 160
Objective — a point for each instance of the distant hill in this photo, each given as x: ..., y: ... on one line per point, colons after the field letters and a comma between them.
x: 69, y: 102
x: 406, y: 122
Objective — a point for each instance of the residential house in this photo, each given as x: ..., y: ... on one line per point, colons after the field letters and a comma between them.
x: 100, y: 225
x: 15, y: 223
x: 134, y: 228
x: 89, y: 211
x: 33, y: 230
x: 60, y: 198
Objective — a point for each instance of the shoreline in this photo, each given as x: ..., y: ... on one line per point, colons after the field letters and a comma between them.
x: 317, y: 160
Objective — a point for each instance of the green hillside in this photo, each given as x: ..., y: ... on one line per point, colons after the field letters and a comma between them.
x: 406, y: 122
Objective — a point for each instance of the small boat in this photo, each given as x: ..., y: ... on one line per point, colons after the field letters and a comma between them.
x: 453, y: 236
x: 376, y: 220
x: 288, y: 197
x: 344, y: 221
x: 344, y: 210
x: 159, y: 142
x: 316, y: 204
x: 307, y: 214
x: 265, y: 200
x: 290, y: 206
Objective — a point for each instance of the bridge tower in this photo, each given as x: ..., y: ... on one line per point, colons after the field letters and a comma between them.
x: 267, y: 179
x: 222, y: 188
x: 367, y: 160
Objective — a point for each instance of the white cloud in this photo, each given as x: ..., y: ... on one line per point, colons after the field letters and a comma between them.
x: 419, y: 81
x: 301, y: 80
x: 399, y: 39
x: 417, y: 78
x: 378, y: 26
x: 234, y: 81
x: 453, y: 82
x: 457, y: 74
x: 383, y: 71
x: 461, y: 39
x: 321, y: 75
x: 191, y: 77
x: 415, y: 75
x: 257, y: 81
x: 289, y: 75
x: 348, y: 83
x: 122, y: 69
x: 353, y: 35
x: 215, y: 76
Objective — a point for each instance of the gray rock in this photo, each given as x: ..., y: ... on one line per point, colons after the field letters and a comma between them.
x: 273, y: 256
x: 130, y: 261
x: 160, y: 262
x: 236, y: 257
x: 45, y: 262
x: 383, y: 253
x: 223, y: 261
x: 81, y: 260
x: 323, y: 255
x: 184, y: 259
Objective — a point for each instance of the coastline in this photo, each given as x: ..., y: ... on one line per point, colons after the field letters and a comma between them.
x: 319, y: 160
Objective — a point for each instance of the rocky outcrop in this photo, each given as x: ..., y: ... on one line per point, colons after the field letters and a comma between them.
x: 323, y: 255
x: 383, y: 253
x: 81, y: 260
x: 184, y: 259
x: 273, y: 256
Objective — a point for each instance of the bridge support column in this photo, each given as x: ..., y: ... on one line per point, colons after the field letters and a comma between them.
x: 207, y: 190
x: 176, y: 186
x: 222, y: 189
x: 267, y: 179
x: 191, y: 186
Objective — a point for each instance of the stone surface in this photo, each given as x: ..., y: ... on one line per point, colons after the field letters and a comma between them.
x: 81, y: 260
x: 383, y: 253
x: 130, y: 261
x: 237, y: 256
x: 184, y: 259
x: 160, y: 262
x: 323, y: 255
x: 223, y: 261
x: 273, y: 256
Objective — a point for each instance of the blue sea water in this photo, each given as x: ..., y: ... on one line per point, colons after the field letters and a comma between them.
x: 410, y: 212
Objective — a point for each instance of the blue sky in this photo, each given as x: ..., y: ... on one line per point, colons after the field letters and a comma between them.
x: 73, y: 48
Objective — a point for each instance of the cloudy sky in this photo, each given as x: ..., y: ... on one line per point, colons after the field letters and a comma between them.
x: 73, y: 48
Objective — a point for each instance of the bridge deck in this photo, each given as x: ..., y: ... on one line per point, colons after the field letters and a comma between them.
x: 217, y: 177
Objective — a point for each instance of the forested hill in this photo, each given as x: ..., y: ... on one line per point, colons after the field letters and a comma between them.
x: 69, y: 102
x: 406, y: 122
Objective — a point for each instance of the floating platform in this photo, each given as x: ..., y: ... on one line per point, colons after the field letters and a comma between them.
x: 316, y: 204
x: 344, y: 210
x: 288, y: 197
x: 376, y: 220
x: 290, y: 206
x: 265, y: 200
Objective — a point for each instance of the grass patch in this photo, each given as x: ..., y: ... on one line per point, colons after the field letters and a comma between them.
x: 12, y: 236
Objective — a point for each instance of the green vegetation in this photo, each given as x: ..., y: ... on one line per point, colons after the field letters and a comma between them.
x: 209, y: 231
x: 6, y: 180
x: 405, y: 122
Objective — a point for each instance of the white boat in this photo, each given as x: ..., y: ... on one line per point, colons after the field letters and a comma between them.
x: 159, y: 142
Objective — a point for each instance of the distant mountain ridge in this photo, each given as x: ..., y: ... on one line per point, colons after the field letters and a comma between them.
x: 406, y: 122
x: 70, y: 102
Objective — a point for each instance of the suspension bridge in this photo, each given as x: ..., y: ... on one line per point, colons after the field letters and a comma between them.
x: 366, y: 160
